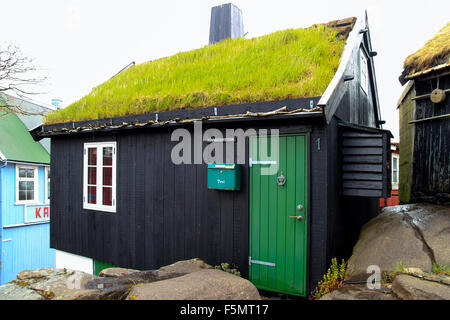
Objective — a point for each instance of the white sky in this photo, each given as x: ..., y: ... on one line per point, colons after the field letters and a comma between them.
x: 83, y: 43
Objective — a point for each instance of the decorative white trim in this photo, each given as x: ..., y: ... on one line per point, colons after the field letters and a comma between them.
x: 35, y: 179
x: 353, y: 37
x: 2, y: 157
x: 99, y: 182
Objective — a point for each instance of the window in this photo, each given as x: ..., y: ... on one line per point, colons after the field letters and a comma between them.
x: 395, y: 160
x: 47, y: 184
x: 364, y: 73
x: 99, y: 176
x: 26, y: 184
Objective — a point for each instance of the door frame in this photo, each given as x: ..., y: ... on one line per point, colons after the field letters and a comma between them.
x: 306, y: 131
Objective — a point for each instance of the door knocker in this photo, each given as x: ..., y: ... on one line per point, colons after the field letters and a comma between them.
x: 281, y: 180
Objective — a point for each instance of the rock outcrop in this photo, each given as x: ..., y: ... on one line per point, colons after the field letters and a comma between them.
x: 116, y: 283
x: 414, y: 235
x: 207, y: 284
x: 409, y: 284
x: 359, y: 292
x: 407, y: 287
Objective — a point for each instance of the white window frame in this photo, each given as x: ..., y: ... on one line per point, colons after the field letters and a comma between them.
x: 99, y: 183
x: 35, y: 179
x: 395, y: 184
x: 46, y: 199
x: 364, y: 71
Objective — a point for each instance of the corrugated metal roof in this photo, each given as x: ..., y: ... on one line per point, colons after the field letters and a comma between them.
x: 16, y: 143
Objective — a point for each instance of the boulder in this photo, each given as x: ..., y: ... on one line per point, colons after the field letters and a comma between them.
x: 415, y: 235
x: 207, y: 284
x: 433, y: 224
x: 408, y: 287
x: 182, y: 268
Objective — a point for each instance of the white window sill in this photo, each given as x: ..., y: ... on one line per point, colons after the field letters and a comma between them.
x: 100, y: 208
x: 31, y: 203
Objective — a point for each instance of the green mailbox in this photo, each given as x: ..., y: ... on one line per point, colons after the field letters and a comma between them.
x: 224, y: 176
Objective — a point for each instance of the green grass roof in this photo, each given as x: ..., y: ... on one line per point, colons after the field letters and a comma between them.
x: 286, y: 64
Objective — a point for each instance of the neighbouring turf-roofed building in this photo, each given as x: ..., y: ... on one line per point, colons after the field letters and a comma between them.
x: 121, y: 198
x: 424, y: 109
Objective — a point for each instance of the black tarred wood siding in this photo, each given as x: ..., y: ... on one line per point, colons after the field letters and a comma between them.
x: 431, y: 154
x: 365, y: 159
x: 165, y: 212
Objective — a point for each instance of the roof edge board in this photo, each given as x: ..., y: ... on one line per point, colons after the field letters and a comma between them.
x: 373, y: 79
x: 315, y: 114
x: 354, y: 37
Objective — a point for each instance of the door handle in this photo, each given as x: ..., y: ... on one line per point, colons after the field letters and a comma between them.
x: 299, y: 218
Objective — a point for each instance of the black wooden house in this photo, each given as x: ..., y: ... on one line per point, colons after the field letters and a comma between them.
x: 280, y: 230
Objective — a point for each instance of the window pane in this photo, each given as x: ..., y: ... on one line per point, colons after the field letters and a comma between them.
x: 107, y: 196
x: 22, y: 195
x: 48, y: 174
x: 92, y: 195
x: 22, y: 185
x: 107, y: 176
x: 48, y: 190
x: 92, y: 175
x: 394, y: 165
x: 30, y: 173
x: 22, y: 172
x: 30, y: 195
x: 30, y: 185
x: 92, y: 156
x: 107, y: 156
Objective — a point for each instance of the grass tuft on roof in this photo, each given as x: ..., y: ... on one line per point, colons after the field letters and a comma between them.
x: 286, y: 64
x: 435, y: 52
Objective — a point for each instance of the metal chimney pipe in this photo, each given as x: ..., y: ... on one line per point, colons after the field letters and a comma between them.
x: 226, y: 22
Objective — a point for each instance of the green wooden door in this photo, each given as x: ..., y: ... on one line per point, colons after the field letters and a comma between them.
x: 278, y: 239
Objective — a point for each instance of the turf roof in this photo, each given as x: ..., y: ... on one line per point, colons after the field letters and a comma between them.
x: 434, y: 53
x: 287, y: 64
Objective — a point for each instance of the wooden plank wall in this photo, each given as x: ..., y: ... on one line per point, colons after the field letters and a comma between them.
x: 165, y: 212
x: 431, y: 158
x: 406, y: 114
x: 365, y: 163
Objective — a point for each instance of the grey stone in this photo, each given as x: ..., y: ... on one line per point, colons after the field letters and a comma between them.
x: 359, y: 292
x: 207, y: 284
x: 408, y: 287
x: 182, y: 268
x: 433, y: 224
x: 386, y: 241
x: 116, y: 272
x: 115, y: 283
x: 15, y: 291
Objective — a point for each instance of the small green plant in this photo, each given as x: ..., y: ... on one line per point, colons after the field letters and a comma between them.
x: 388, y: 277
x: 226, y: 267
x: 441, y: 269
x: 332, y: 280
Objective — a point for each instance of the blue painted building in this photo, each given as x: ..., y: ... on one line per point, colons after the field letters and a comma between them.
x: 24, y: 192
